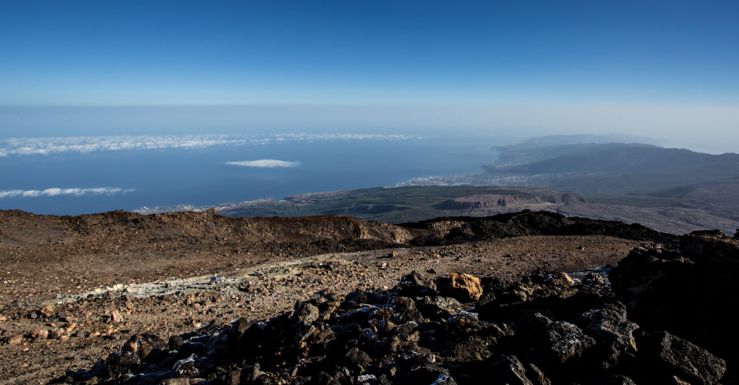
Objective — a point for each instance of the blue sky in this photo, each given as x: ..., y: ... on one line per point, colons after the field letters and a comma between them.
x: 357, y: 51
x: 659, y: 68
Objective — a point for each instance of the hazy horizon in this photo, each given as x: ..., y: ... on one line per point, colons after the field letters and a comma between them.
x: 503, y: 70
x: 709, y: 129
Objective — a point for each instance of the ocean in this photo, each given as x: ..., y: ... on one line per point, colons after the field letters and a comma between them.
x: 87, y: 174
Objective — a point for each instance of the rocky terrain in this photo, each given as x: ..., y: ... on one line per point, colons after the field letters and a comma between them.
x: 546, y: 328
x: 77, y: 289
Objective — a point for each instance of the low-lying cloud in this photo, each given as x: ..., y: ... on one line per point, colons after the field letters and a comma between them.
x: 264, y: 163
x: 86, y: 144
x: 57, y: 191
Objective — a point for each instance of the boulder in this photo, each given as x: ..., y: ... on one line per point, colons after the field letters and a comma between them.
x: 461, y: 286
x: 146, y: 347
x: 116, y: 316
x: 682, y: 358
x: 439, y: 307
x: 40, y: 333
x: 563, y: 341
x: 612, y: 330
x: 686, y: 289
x: 416, y: 285
x: 305, y: 314
x: 302, y: 319
x: 15, y: 340
x: 536, y: 375
x: 509, y: 370
x: 47, y: 311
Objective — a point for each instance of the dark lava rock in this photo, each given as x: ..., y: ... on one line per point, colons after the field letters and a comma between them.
x: 439, y: 307
x: 682, y: 357
x: 621, y: 380
x: 448, y: 230
x: 562, y: 341
x: 145, y: 346
x: 416, y: 285
x: 546, y: 328
x: 614, y: 332
x: 689, y: 291
x: 509, y: 370
x: 426, y: 374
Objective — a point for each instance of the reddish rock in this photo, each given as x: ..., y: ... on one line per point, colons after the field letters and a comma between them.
x: 40, y: 333
x: 464, y: 287
x: 47, y: 311
x: 15, y: 340
x: 116, y: 316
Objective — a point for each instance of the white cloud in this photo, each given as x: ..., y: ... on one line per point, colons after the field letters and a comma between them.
x: 264, y: 163
x: 56, y: 191
x: 85, y: 144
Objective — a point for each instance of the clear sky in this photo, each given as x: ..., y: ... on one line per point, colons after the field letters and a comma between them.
x: 554, y: 57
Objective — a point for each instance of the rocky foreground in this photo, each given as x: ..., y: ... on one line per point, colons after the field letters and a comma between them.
x: 664, y: 315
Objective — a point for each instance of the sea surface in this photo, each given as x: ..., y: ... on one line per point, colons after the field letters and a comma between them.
x: 94, y: 174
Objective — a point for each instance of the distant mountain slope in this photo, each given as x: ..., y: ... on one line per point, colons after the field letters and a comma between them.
x: 547, y: 147
x: 618, y: 168
x: 558, y: 140
x: 722, y: 195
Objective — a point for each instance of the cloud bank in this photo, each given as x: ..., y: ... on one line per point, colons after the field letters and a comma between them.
x: 56, y: 191
x: 264, y: 163
x: 86, y: 144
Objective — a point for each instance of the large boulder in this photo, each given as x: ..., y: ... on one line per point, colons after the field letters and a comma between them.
x: 461, y: 286
x: 688, y: 289
x: 563, y: 341
x: 416, y: 284
x: 612, y: 330
x: 682, y: 359
x: 509, y: 370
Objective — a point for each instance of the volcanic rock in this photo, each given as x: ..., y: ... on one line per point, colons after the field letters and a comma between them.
x: 439, y: 307
x: 15, y: 340
x: 509, y: 370
x: 688, y: 360
x: 614, y: 331
x: 47, y: 311
x: 686, y: 291
x: 40, y: 333
x: 621, y: 380
x: 416, y: 285
x: 116, y: 316
x: 563, y: 341
x: 542, y: 329
x: 464, y: 287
